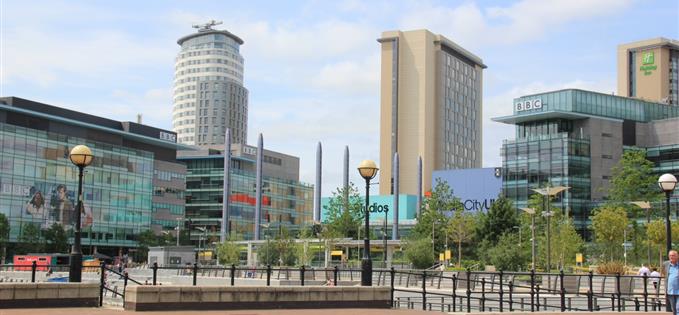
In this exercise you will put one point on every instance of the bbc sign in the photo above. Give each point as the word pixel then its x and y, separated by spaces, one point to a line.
pixel 528 105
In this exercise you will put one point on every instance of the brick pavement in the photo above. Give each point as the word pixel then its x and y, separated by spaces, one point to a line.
pixel 113 311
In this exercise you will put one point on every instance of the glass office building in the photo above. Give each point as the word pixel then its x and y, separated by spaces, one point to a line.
pixel 286 202
pixel 38 182
pixel 574 138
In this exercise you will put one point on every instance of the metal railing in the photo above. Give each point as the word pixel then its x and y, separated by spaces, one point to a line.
pixel 462 291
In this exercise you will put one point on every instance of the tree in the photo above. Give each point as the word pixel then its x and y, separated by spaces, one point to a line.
pixel 633 179
pixel 609 223
pixel 145 240
pixel 506 256
pixel 419 252
pixel 343 219
pixel 657 236
pixel 461 229
pixel 4 237
pixel 500 219
pixel 56 240
pixel 565 241
pixel 304 255
pixel 433 220
pixel 228 252
pixel 29 239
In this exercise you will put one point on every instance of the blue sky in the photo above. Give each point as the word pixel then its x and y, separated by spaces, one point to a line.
pixel 312 67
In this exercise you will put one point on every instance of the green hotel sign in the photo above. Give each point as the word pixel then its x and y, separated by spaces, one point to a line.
pixel 648 63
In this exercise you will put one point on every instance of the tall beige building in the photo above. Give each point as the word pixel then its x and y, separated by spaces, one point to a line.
pixel 649 69
pixel 430 107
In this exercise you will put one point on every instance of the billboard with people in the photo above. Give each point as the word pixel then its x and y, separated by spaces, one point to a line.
pixel 55 203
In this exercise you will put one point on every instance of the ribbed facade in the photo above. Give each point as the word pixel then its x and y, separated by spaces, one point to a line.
pixel 208 89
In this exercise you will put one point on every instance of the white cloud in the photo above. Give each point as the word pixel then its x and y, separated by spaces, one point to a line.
pixel 524 21
pixel 44 58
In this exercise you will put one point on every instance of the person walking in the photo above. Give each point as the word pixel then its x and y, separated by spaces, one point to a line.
pixel 671 269
pixel 644 271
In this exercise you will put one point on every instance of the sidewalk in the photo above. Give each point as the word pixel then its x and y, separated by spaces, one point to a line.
pixel 111 311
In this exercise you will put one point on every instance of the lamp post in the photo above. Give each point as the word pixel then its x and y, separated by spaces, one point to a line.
pixel 81 156
pixel 177 228
pixel 368 169
pixel 386 211
pixel 646 206
pixel 548 192
pixel 531 211
pixel 667 182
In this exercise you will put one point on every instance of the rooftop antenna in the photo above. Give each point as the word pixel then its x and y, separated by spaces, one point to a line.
pixel 207 26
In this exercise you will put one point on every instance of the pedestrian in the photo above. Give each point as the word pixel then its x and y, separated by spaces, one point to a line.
pixel 655 275
pixel 643 271
pixel 671 269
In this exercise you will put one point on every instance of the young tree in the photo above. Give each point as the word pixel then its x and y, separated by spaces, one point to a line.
pixel 343 219
pixel 4 237
pixel 228 252
pixel 304 254
pixel 29 239
pixel 633 179
pixel 657 236
pixel 565 241
pixel 609 223
pixel 461 230
pixel 56 240
pixel 434 221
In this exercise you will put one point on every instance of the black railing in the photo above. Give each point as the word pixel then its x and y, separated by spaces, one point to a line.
pixel 463 291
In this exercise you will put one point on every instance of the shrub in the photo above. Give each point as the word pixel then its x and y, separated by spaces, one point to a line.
pixel 611 268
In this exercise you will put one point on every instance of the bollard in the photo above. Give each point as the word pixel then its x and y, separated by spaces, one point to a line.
pixel 537 294
pixel 102 283
pixel 268 275
pixel 532 290
pixel 511 291
pixel 645 293
pixel 454 289
pixel 301 275
pixel 482 302
pixel 155 273
pixel 562 291
pixel 34 267
pixel 195 273
pixel 335 272
pixel 424 290
pixel 392 273
pixel 618 292
pixel 590 293
pixel 501 294
pixel 469 291
pixel 233 274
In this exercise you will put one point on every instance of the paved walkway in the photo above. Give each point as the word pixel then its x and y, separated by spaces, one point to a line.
pixel 111 311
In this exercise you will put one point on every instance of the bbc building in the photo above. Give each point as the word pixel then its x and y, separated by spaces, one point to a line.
pixel 574 138
pixel 134 183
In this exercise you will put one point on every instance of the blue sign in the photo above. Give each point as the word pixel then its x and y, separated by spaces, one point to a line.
pixel 477 188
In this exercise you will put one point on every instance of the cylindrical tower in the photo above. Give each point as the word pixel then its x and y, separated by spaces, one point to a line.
pixel 208 88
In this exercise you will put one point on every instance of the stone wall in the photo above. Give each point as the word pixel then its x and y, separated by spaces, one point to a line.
pixel 152 298
pixel 43 295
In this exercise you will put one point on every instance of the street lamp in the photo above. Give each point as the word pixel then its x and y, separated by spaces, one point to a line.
pixel 368 169
pixel 81 156
pixel 531 211
pixel 646 206
pixel 548 192
pixel 667 182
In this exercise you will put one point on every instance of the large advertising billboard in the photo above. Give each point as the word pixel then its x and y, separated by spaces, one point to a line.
pixel 477 188
pixel 48 203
